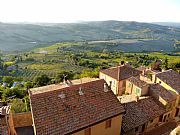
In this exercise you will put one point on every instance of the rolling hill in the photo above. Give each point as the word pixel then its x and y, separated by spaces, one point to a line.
pixel 136 36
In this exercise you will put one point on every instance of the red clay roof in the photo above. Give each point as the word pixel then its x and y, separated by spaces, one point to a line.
pixel 171 78
pixel 65 111
pixel 3 130
pixel 165 129
pixel 136 81
pixel 125 72
pixel 138 113
pixel 156 90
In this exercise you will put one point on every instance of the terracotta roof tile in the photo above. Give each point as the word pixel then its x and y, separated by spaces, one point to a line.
pixel 164 129
pixel 156 90
pixel 136 81
pixel 3 125
pixel 60 85
pixel 64 110
pixel 171 78
pixel 125 72
pixel 138 113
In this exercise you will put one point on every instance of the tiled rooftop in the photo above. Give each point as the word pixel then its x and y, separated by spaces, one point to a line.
pixel 140 112
pixel 125 72
pixel 3 130
pixel 60 85
pixel 136 81
pixel 164 129
pixel 66 110
pixel 171 78
pixel 130 98
pixel 4 110
pixel 156 90
pixel 3 125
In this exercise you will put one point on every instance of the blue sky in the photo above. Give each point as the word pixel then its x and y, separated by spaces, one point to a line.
pixel 60 11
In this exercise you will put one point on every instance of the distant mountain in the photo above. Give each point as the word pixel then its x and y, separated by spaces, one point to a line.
pixel 171 24
pixel 25 36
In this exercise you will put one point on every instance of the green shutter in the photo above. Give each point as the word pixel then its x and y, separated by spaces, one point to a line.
pixel 129 85
pixel 137 91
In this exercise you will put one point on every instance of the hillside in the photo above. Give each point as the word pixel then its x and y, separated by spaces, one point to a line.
pixel 171 24
pixel 137 36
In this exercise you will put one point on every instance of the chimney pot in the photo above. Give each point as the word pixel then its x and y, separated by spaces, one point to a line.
pixel 137 98
pixel 80 91
pixel 62 95
pixel 105 88
pixel 122 63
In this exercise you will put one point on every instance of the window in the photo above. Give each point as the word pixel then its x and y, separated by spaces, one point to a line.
pixel 151 121
pixel 137 91
pixel 130 84
pixel 164 118
pixel 108 123
pixel 87 131
pixel 136 129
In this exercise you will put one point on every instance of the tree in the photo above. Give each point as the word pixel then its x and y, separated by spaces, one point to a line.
pixel 26 101
pixel 15 92
pixel 8 79
pixel 164 65
pixel 28 85
pixel 17 106
pixel 42 80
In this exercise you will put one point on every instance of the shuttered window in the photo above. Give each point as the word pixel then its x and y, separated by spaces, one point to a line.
pixel 108 123
pixel 87 131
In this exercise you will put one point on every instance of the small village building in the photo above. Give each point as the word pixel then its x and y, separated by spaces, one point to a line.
pixel 166 98
pixel 116 77
pixel 136 86
pixel 170 80
pixel 141 115
pixel 88 108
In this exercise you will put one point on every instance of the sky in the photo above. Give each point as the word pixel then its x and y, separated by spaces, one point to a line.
pixel 67 11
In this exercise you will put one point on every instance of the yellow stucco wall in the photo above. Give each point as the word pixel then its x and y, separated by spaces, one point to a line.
pixel 108 79
pixel 132 89
pixel 169 88
pixel 100 129
pixel 164 85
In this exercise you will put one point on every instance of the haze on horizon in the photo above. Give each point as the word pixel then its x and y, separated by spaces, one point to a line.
pixel 67 11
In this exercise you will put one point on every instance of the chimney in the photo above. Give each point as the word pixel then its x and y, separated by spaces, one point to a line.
pixel 136 98
pixel 118 73
pixel 120 99
pixel 143 72
pixel 106 89
pixel 80 91
pixel 122 63
pixel 67 83
pixel 110 84
pixel 62 95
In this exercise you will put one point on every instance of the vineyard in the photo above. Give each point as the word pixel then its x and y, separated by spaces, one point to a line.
pixel 31 74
